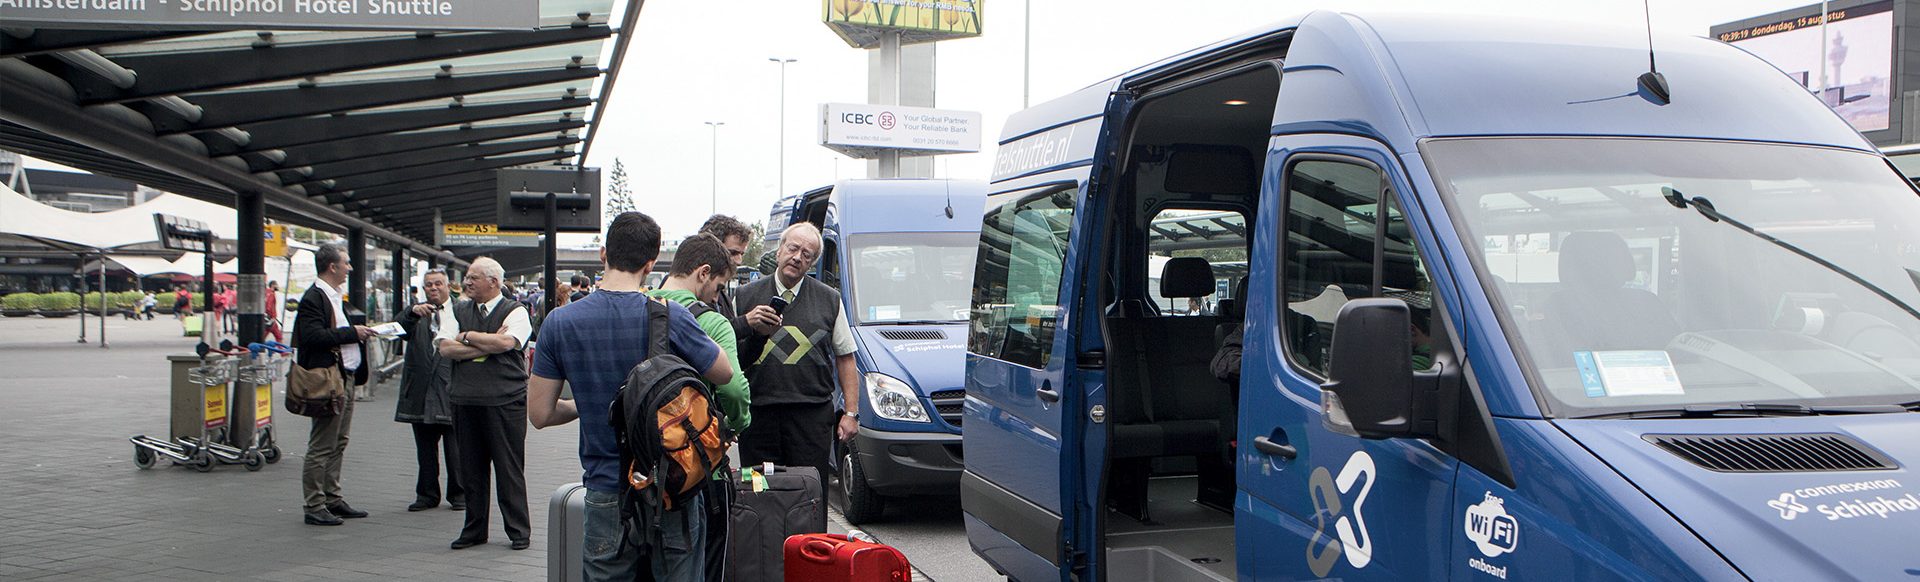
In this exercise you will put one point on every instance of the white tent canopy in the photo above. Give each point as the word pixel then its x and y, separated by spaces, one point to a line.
pixel 24 218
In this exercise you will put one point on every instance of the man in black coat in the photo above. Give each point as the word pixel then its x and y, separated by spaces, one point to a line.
pixel 321 330
pixel 423 399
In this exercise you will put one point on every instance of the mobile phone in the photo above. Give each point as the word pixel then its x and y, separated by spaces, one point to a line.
pixel 779 304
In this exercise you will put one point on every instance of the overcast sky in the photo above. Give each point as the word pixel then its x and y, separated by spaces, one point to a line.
pixel 693 61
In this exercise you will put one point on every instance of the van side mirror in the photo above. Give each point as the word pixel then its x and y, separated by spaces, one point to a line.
pixel 1369 390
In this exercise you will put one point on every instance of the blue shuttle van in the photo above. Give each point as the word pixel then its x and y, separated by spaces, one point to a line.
pixel 901 254
pixel 1503 310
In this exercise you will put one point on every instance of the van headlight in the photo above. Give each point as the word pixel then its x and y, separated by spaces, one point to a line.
pixel 893 399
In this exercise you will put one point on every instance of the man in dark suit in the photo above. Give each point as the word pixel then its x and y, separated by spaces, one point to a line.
pixel 423 398
pixel 320 327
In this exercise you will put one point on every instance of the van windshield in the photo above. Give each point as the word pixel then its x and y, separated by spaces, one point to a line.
pixel 911 277
pixel 1642 274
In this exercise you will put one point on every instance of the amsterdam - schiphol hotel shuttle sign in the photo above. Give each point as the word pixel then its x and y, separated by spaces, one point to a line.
pixel 281 14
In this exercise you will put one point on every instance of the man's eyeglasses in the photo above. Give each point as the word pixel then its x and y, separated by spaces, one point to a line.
pixel 805 253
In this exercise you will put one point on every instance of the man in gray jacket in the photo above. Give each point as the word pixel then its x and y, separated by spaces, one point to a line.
pixel 423 398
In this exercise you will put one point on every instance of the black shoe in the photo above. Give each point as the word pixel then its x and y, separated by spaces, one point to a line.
pixel 322 517
pixel 458 506
pixel 464 543
pixel 521 544
pixel 344 511
pixel 423 505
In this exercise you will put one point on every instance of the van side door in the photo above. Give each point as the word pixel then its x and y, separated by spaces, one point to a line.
pixel 1012 487
pixel 1315 503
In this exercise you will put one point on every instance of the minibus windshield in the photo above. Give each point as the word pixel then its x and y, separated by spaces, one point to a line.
pixel 911 277
pixel 1644 274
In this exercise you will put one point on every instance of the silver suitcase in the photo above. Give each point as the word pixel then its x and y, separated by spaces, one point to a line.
pixel 566 533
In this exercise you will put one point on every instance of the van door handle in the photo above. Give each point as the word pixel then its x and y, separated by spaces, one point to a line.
pixel 1046 393
pixel 1267 447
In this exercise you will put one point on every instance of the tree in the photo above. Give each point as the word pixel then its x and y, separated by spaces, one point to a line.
pixel 756 245
pixel 619 198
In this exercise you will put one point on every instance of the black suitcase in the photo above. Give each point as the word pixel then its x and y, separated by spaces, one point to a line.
pixel 761 522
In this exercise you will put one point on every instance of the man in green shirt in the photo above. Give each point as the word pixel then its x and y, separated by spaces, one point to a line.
pixel 700 269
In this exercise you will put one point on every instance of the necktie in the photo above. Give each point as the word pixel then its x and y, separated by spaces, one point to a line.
pixel 483 311
pixel 787 296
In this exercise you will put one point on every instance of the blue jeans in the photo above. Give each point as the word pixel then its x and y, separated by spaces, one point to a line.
pixel 684 534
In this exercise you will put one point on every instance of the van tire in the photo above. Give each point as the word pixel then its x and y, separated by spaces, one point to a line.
pixel 859 502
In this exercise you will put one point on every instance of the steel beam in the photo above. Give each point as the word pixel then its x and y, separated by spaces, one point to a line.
pixel 415 214
pixel 58 116
pixel 313 130
pixel 240 108
pixel 386 144
pixel 349 168
pixel 49 40
pixel 380 194
pixel 175 73
pixel 440 171
pixel 627 21
pixel 357 277
pixel 426 199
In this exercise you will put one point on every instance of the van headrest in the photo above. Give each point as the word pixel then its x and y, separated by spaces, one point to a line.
pixel 1211 169
pixel 1186 277
pixel 1235 307
pixel 1597 260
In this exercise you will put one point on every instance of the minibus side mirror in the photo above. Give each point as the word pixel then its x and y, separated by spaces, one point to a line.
pixel 1369 390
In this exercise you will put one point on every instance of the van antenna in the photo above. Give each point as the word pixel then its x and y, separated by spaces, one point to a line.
pixel 949 198
pixel 1652 81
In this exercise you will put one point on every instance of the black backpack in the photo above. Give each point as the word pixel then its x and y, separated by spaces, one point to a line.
pixel 670 433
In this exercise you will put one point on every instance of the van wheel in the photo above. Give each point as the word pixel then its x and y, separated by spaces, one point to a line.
pixel 859 502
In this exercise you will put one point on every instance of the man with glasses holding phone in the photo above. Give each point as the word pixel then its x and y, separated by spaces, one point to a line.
pixel 796 343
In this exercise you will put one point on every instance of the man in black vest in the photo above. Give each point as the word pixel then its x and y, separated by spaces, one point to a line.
pixel 792 358
pixel 423 399
pixel 735 236
pixel 485 337
pixel 320 332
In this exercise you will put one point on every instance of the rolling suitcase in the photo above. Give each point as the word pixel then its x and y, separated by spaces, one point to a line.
pixel 834 557
pixel 788 504
pixel 566 533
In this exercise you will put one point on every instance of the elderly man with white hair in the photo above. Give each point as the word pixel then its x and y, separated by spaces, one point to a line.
pixel 485 336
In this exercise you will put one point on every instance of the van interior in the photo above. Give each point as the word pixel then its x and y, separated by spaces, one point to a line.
pixel 1174 270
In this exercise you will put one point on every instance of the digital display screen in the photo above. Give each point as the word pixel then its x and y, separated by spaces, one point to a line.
pixel 1858 58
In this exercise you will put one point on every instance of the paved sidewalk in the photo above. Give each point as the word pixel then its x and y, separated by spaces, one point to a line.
pixel 74 507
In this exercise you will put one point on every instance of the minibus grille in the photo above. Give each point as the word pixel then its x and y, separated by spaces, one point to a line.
pixel 913 334
pixel 948 404
pixel 1772 453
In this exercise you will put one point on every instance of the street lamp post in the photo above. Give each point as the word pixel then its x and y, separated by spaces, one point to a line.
pixel 714 173
pixel 783 121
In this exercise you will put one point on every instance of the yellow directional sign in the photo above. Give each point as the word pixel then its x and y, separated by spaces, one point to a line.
pixel 456 234
pixel 276 239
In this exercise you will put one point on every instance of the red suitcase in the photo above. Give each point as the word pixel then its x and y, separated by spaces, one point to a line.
pixel 833 557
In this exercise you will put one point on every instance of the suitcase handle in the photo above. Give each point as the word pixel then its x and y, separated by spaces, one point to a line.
pixel 818 550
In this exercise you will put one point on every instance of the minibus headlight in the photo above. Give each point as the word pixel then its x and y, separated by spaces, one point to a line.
pixel 893 399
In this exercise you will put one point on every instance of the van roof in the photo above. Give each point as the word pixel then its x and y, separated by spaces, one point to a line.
pixel 1402 77
pixel 908 205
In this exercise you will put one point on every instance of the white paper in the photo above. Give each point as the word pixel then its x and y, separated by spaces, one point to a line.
pixel 389 330
pixel 883 312
pixel 1637 373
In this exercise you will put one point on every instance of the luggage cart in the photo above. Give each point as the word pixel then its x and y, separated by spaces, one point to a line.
pixel 268 364
pixel 207 448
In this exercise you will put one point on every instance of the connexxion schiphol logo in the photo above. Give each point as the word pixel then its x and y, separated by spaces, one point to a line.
pixel 1349 535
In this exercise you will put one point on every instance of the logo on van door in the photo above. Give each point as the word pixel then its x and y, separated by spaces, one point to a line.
pixel 1349 536
pixel 1490 528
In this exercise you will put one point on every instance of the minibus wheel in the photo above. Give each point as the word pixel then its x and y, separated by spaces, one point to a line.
pixel 859 502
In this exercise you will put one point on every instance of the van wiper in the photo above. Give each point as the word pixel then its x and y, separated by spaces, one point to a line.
pixel 921 322
pixel 1752 410
pixel 1706 209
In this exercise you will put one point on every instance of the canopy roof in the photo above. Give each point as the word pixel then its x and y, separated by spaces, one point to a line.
pixel 336 128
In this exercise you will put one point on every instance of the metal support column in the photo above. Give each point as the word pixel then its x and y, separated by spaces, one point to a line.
pixel 357 279
pixel 251 216
pixel 889 95
pixel 400 296
pixel 549 279
pixel 81 275
pixel 103 300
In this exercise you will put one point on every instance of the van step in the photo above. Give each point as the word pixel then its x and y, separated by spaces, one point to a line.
pixel 1772 453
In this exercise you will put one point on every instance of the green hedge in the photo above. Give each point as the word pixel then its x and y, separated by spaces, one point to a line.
pixel 61 301
pixel 20 301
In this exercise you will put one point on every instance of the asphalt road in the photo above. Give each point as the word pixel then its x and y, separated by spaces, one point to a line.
pixel 933 537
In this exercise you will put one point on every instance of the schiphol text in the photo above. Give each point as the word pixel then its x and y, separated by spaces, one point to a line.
pixel 379 7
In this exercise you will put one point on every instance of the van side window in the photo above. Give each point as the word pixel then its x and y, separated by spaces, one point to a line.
pixel 1016 284
pixel 1341 246
pixel 1218 237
